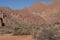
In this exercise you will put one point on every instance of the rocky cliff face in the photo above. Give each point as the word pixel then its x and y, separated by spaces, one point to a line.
pixel 38 13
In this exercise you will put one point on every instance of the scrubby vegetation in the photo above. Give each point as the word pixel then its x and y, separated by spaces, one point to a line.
pixel 39 32
pixel 21 31
pixel 6 29
pixel 48 32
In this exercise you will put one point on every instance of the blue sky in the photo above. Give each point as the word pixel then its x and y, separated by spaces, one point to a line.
pixel 19 4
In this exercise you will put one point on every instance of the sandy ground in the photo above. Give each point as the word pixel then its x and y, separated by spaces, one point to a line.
pixel 8 37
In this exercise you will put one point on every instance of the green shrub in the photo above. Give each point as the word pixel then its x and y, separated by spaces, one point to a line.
pixel 6 29
pixel 22 30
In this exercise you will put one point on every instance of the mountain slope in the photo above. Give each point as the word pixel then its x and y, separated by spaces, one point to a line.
pixel 38 13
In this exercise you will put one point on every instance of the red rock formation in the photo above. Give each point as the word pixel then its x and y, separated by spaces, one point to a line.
pixel 38 13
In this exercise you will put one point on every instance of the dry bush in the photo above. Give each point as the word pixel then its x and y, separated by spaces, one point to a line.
pixel 47 32
pixel 22 30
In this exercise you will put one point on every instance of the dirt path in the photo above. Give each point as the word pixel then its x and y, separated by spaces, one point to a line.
pixel 6 37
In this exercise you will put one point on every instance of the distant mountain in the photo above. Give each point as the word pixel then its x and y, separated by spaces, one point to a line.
pixel 38 13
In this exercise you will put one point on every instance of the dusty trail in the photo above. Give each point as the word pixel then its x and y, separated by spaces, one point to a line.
pixel 6 37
